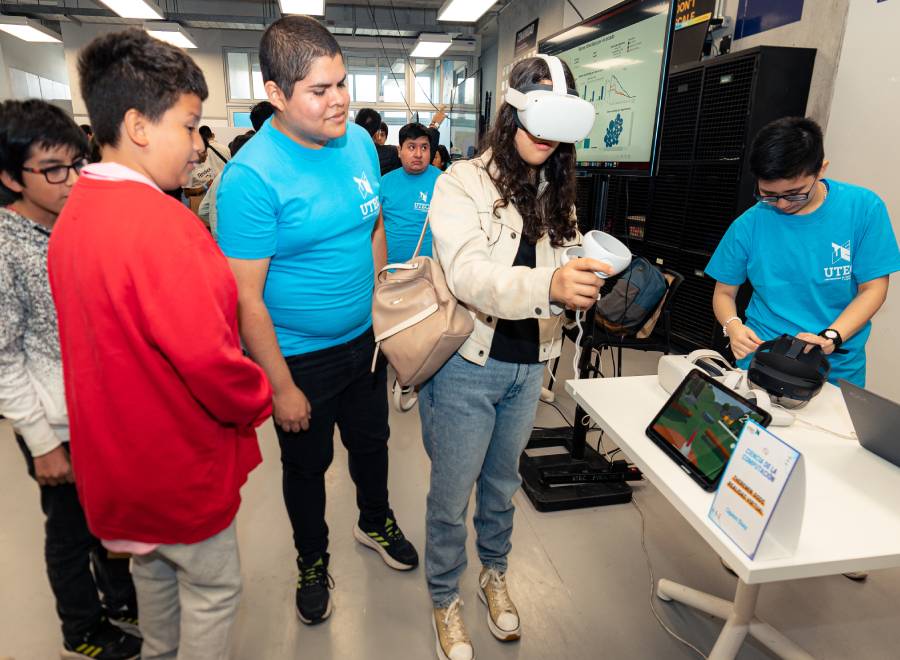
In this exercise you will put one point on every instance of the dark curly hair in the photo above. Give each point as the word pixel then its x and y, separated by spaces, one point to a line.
pixel 551 213
pixel 130 69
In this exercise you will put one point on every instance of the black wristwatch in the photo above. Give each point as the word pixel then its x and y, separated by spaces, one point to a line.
pixel 834 336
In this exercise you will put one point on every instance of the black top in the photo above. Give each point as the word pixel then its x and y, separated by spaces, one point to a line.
pixel 518 341
pixel 388 158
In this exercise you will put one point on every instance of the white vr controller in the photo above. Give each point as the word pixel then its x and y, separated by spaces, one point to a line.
pixel 673 369
pixel 602 247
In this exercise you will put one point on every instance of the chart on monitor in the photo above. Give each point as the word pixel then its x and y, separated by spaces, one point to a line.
pixel 618 59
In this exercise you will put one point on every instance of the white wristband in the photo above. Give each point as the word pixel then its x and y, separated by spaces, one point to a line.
pixel 727 321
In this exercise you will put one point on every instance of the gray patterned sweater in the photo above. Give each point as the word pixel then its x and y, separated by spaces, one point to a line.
pixel 31 380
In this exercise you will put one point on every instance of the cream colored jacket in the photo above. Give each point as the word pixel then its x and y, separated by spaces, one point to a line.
pixel 476 250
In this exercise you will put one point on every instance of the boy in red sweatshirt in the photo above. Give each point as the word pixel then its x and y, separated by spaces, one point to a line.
pixel 162 402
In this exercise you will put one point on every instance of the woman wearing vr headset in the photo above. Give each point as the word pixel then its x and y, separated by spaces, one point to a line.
pixel 500 223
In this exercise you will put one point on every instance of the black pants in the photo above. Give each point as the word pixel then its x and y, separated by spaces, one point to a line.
pixel 71 551
pixel 341 390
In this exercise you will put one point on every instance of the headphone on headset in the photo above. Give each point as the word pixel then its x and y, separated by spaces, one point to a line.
pixel 790 370
pixel 552 112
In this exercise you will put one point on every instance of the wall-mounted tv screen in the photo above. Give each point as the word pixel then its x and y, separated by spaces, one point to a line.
pixel 619 58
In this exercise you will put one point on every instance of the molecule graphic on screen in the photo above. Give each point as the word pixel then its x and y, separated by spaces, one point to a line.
pixel 611 138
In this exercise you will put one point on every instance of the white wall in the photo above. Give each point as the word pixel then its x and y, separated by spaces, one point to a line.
pixel 5 91
pixel 46 60
pixel 863 145
pixel 208 56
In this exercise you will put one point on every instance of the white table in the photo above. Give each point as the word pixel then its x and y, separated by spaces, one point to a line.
pixel 851 518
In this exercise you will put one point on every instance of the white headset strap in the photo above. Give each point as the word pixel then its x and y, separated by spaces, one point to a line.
pixel 557 74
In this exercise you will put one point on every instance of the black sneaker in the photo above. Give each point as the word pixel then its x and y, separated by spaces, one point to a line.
pixel 313 599
pixel 105 642
pixel 389 542
pixel 125 617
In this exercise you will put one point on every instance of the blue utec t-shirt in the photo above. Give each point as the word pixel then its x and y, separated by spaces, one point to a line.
pixel 405 200
pixel 312 212
pixel 805 269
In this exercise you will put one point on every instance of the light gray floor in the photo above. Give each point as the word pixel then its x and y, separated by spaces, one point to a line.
pixel 579 577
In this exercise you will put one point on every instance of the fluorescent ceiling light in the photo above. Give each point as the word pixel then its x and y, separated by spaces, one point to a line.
pixel 28 30
pixel 431 45
pixel 171 33
pixel 464 11
pixel 146 9
pixel 308 7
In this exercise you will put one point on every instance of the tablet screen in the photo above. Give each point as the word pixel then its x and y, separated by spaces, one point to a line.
pixel 701 424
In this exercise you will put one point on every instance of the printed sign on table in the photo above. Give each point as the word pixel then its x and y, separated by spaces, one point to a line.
pixel 754 480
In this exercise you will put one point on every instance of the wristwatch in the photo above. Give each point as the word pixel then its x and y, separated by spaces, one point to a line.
pixel 833 335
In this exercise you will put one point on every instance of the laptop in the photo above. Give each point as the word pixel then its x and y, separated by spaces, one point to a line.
pixel 876 420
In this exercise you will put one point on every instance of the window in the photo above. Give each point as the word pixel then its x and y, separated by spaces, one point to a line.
pixel 392 80
pixel 362 79
pixel 427 81
pixel 245 81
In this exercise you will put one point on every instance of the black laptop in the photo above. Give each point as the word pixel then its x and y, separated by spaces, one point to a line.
pixel 875 419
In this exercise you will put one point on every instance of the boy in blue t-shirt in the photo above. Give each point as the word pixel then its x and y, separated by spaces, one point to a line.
pixel 406 195
pixel 819 254
pixel 300 222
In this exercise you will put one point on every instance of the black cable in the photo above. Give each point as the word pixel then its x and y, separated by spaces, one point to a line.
pixel 387 59
pixel 559 410
pixel 572 4
pixel 408 60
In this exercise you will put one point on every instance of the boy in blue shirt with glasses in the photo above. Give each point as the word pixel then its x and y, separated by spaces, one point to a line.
pixel 818 252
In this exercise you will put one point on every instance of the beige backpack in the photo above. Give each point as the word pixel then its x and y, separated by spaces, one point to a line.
pixel 418 323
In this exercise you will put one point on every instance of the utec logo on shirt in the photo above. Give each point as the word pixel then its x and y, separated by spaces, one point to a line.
pixel 422 204
pixel 840 252
pixel 370 206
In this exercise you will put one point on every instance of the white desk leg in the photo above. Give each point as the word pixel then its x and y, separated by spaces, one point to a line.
pixel 739 620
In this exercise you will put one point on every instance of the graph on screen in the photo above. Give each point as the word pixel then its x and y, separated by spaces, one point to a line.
pixel 618 59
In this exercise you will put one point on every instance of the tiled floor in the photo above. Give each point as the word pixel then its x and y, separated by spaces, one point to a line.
pixel 579 577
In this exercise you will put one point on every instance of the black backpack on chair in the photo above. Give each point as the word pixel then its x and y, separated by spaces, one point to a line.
pixel 631 298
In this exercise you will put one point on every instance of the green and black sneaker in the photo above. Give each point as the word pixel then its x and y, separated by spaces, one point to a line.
pixel 105 642
pixel 313 599
pixel 389 542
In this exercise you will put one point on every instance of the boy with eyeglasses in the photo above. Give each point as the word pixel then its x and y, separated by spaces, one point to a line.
pixel 42 152
pixel 818 252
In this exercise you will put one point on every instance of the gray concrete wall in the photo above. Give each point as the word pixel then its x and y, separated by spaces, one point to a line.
pixel 821 27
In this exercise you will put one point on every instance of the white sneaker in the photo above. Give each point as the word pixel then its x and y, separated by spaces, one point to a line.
pixel 451 640
pixel 502 616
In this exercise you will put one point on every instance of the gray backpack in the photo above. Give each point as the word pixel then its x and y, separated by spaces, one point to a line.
pixel 632 299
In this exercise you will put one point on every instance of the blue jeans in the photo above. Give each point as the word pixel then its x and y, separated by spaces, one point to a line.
pixel 476 422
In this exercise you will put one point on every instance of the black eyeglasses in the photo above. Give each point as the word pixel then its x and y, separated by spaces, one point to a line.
pixel 58 173
pixel 793 198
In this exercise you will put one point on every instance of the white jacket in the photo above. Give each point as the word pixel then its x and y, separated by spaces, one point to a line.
pixel 476 250
pixel 31 381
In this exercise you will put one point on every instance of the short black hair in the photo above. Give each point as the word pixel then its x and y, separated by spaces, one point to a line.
pixel 787 148
pixel 369 119
pixel 259 113
pixel 288 48
pixel 87 129
pixel 383 128
pixel 414 131
pixel 235 145
pixel 445 156
pixel 205 132
pixel 130 69
pixel 25 125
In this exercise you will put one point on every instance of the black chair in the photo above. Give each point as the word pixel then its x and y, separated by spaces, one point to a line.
pixel 659 339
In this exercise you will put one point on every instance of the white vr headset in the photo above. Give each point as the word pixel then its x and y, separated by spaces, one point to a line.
pixel 674 368
pixel 552 112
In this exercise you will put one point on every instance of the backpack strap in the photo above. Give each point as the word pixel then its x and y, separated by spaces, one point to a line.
pixel 421 238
